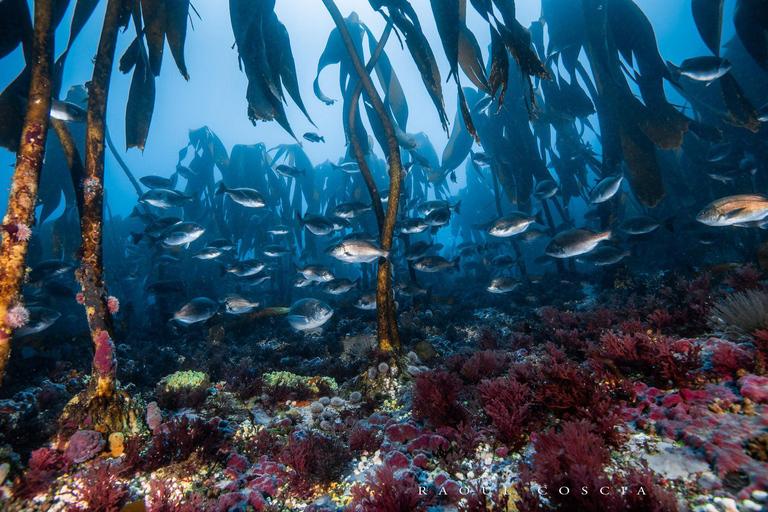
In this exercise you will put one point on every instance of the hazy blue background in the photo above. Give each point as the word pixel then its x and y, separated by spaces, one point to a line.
pixel 215 93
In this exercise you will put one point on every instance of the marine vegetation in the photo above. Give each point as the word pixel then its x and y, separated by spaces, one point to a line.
pixel 515 260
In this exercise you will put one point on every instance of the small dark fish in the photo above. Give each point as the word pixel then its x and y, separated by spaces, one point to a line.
pixel 502 285
pixel 276 251
pixel 49 269
pixel 482 159
pixel 366 302
pixel 237 305
pixel 339 286
pixel 575 242
pixel 603 256
pixel 183 233
pixel 309 314
pixel 358 251
pixel 221 243
pixel 68 112
pixel 316 273
pixel 605 189
pixel 719 152
pixel 164 198
pixel 196 310
pixel 186 172
pixel 351 210
pixel 315 224
pixel 208 253
pixel 514 224
pixel 246 268
pixel 39 320
pixel 413 225
pixel 545 189
pixel 348 167
pixel 430 206
pixel 165 287
pixel 289 171
pixel 702 69
pixel 247 197
pixel 436 264
pixel 417 249
pixel 503 261
pixel 438 218
pixel 279 230
pixel 313 137
pixel 153 181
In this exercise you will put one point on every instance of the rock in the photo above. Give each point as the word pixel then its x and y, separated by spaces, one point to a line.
pixel 673 462
pixel 755 388
pixel 729 504
pixel 760 496
pixel 84 445
pixel 355 397
pixel 751 505
pixel 4 469
pixel 116 444
pixel 425 351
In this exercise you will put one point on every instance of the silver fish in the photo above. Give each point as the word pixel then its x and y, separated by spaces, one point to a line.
pixel 605 189
pixel 733 210
pixel 69 112
pixel 309 314
pixel 701 69
pixel 164 198
pixel 237 305
pixel 247 197
pixel 351 210
pixel 358 251
pixel 196 310
pixel 502 285
pixel 289 171
pixel 513 224
pixel 436 264
pixel 603 256
pixel 339 286
pixel 315 224
pixel 575 242
pixel 39 320
pixel 316 273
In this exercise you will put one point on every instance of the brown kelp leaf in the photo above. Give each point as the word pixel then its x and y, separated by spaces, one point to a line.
pixel 751 20
pixel 665 127
pixel 465 112
pixel 498 79
pixel 277 36
pixel 448 19
pixel 130 56
pixel 422 55
pixel 333 53
pixel 708 15
pixel 12 101
pixel 176 13
pixel 742 112
pixel 644 173
pixel 83 11
pixel 458 147
pixel 471 59
pixel 141 104
pixel 15 27
pixel 518 41
pixel 393 91
pixel 153 13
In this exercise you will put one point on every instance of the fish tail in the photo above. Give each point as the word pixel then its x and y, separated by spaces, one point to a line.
pixel 221 188
pixel 457 207
pixel 539 217
pixel 455 263
pixel 298 216
pixel 136 237
pixel 670 224
pixel 322 138
pixel 674 72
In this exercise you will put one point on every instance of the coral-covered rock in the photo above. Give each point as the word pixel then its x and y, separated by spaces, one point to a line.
pixel 237 462
pixel 755 388
pixel 402 433
pixel 84 445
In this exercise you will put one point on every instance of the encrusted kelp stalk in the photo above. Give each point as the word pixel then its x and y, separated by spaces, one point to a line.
pixel 74 161
pixel 388 337
pixel 20 215
pixel 100 402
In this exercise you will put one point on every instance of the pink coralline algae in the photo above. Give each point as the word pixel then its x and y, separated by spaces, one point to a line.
pixel 17 317
pixel 84 445
pixel 104 358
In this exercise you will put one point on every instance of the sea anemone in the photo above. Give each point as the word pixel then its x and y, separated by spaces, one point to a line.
pixel 113 304
pixel 80 298
pixel 18 316
pixel 744 311
pixel 23 232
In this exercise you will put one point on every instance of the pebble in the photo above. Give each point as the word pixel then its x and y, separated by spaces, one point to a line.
pixel 4 469
pixel 729 504
pixel 751 505
pixel 324 400
pixel 316 407
pixel 760 496
pixel 337 402
pixel 355 397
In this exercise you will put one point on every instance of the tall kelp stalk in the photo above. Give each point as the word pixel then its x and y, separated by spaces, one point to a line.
pixel 388 336
pixel 20 215
pixel 101 401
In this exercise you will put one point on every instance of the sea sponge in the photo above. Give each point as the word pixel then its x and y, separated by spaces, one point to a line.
pixel 84 445
pixel 184 380
pixel 292 380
